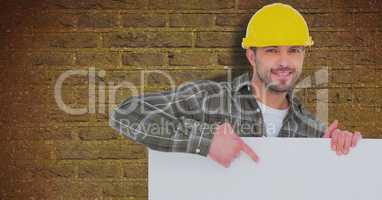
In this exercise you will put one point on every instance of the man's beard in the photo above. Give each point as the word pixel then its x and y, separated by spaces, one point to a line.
pixel 273 86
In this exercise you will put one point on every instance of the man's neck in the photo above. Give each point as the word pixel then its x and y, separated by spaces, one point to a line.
pixel 275 100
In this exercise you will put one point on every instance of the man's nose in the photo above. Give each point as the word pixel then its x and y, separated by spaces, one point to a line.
pixel 284 59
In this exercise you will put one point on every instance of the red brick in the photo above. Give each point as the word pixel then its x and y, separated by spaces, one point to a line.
pixel 77 150
pixel 40 114
pixel 99 169
pixel 335 96
pixel 192 4
pixel 378 42
pixel 97 133
pixel 362 115
pixel 5 59
pixel 67 40
pixel 144 58
pixel 16 21
pixel 364 38
pixel 98 20
pixel 120 95
pixel 378 97
pixel 219 39
pixel 19 41
pixel 72 95
pixel 333 20
pixel 368 131
pixel 366 56
pixel 33 169
pixel 341 112
pixel 24 189
pixel 148 39
pixel 118 150
pixel 378 75
pixel 136 169
pixel 363 75
pixel 4 42
pixel 71 4
pixel 75 189
pixel 328 57
pixel 365 96
pixel 179 77
pixel 342 95
pixel 252 4
pixel 316 57
pixel 191 58
pixel 191 20
pixel 55 22
pixel 29 150
pixel 334 39
pixel 378 110
pixel 115 78
pixel 125 5
pixel 233 20
pixel 232 58
pixel 132 188
pixel 18 5
pixel 368 4
pixel 372 21
pixel 98 59
pixel 43 133
pixel 340 58
pixel 143 20
pixel 340 77
pixel 377 55
pixel 50 58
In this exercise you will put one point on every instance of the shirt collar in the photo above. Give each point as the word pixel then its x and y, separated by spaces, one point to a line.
pixel 243 82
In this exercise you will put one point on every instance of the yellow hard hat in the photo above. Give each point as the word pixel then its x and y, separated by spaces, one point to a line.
pixel 277 24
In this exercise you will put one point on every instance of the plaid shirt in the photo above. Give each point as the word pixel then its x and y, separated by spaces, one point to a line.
pixel 185 120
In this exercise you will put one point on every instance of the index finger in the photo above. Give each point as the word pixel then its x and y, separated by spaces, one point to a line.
pixel 248 150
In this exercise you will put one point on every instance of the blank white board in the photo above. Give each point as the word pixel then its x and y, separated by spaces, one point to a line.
pixel 290 168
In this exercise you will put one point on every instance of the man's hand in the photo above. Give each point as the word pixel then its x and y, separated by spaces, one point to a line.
pixel 226 146
pixel 341 141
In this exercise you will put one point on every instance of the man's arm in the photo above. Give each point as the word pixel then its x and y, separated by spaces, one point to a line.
pixel 163 121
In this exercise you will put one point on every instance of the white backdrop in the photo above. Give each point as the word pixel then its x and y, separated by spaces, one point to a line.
pixel 289 168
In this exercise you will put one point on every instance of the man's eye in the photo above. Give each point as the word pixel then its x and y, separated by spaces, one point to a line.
pixel 271 50
pixel 295 50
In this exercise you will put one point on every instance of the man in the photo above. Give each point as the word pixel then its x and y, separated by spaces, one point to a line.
pixel 208 118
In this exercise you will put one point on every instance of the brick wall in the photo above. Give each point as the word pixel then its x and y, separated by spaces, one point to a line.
pixel 49 154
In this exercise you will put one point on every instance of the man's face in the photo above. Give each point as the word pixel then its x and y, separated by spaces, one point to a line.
pixel 278 67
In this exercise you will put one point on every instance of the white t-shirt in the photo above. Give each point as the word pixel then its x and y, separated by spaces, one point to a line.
pixel 273 119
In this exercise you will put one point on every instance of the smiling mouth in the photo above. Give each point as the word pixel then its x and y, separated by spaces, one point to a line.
pixel 282 73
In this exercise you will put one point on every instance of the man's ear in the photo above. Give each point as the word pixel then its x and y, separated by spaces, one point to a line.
pixel 251 57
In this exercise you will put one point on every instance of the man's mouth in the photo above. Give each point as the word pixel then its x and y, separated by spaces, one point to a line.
pixel 282 73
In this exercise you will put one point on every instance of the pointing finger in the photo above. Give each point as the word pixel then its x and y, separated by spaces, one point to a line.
pixel 247 149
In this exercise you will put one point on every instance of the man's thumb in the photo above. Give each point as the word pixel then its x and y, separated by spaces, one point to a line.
pixel 330 129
